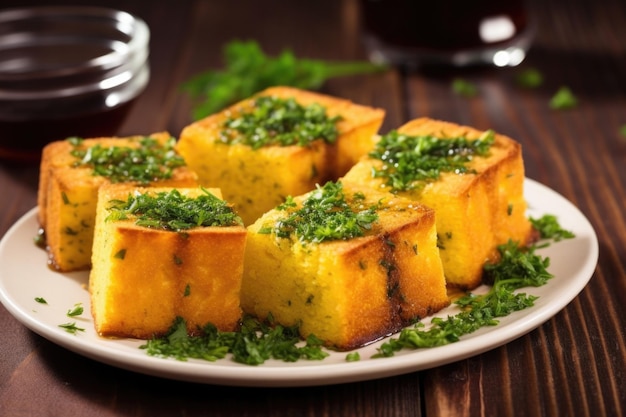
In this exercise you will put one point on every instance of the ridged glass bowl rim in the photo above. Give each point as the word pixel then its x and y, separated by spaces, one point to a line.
pixel 135 28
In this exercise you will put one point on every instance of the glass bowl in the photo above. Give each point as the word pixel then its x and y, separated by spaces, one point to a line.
pixel 67 71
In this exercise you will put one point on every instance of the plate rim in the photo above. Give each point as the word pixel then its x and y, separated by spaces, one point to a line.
pixel 306 373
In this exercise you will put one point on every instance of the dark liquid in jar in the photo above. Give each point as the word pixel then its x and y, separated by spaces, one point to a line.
pixel 440 25
pixel 24 139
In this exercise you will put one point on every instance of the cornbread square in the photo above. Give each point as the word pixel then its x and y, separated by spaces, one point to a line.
pixel 347 292
pixel 143 278
pixel 476 210
pixel 257 180
pixel 67 198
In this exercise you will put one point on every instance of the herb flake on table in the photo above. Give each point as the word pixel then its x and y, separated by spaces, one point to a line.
pixel 464 87
pixel 563 99
pixel 249 70
pixel 529 78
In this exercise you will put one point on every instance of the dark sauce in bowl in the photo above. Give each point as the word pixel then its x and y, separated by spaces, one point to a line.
pixel 67 71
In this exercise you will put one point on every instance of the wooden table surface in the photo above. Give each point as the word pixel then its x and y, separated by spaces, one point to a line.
pixel 573 365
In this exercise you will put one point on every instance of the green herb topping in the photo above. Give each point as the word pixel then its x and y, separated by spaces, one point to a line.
pixel 253 344
pixel 174 211
pixel 151 161
pixel 71 328
pixel 464 88
pixel 249 70
pixel 564 98
pixel 519 267
pixel 549 228
pixel 412 161
pixel 622 131
pixel 77 310
pixel 41 300
pixel 529 78
pixel 325 215
pixel 280 122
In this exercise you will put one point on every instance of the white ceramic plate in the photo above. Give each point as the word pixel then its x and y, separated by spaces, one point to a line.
pixel 25 276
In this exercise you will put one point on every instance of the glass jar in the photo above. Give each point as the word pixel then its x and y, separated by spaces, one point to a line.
pixel 446 33
pixel 67 71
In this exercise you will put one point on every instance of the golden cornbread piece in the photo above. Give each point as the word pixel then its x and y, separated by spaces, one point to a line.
pixel 347 292
pixel 476 210
pixel 143 278
pixel 67 197
pixel 257 180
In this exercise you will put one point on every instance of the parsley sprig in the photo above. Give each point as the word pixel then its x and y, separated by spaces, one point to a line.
pixel 564 98
pixel 150 161
pixel 549 228
pixel 249 70
pixel 326 214
pixel 519 267
pixel 71 328
pixel 77 310
pixel 171 210
pixel 255 343
pixel 412 161
pixel 280 122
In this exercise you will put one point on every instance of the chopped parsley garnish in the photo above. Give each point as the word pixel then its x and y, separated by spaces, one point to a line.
pixel 253 344
pixel 274 121
pixel 151 161
pixel 464 88
pixel 41 300
pixel 564 98
pixel 325 215
pixel 71 328
pixel 549 228
pixel 519 267
pixel 529 78
pixel 76 311
pixel 411 161
pixel 171 210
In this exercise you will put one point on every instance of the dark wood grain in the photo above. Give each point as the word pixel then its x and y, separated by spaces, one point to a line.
pixel 573 365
